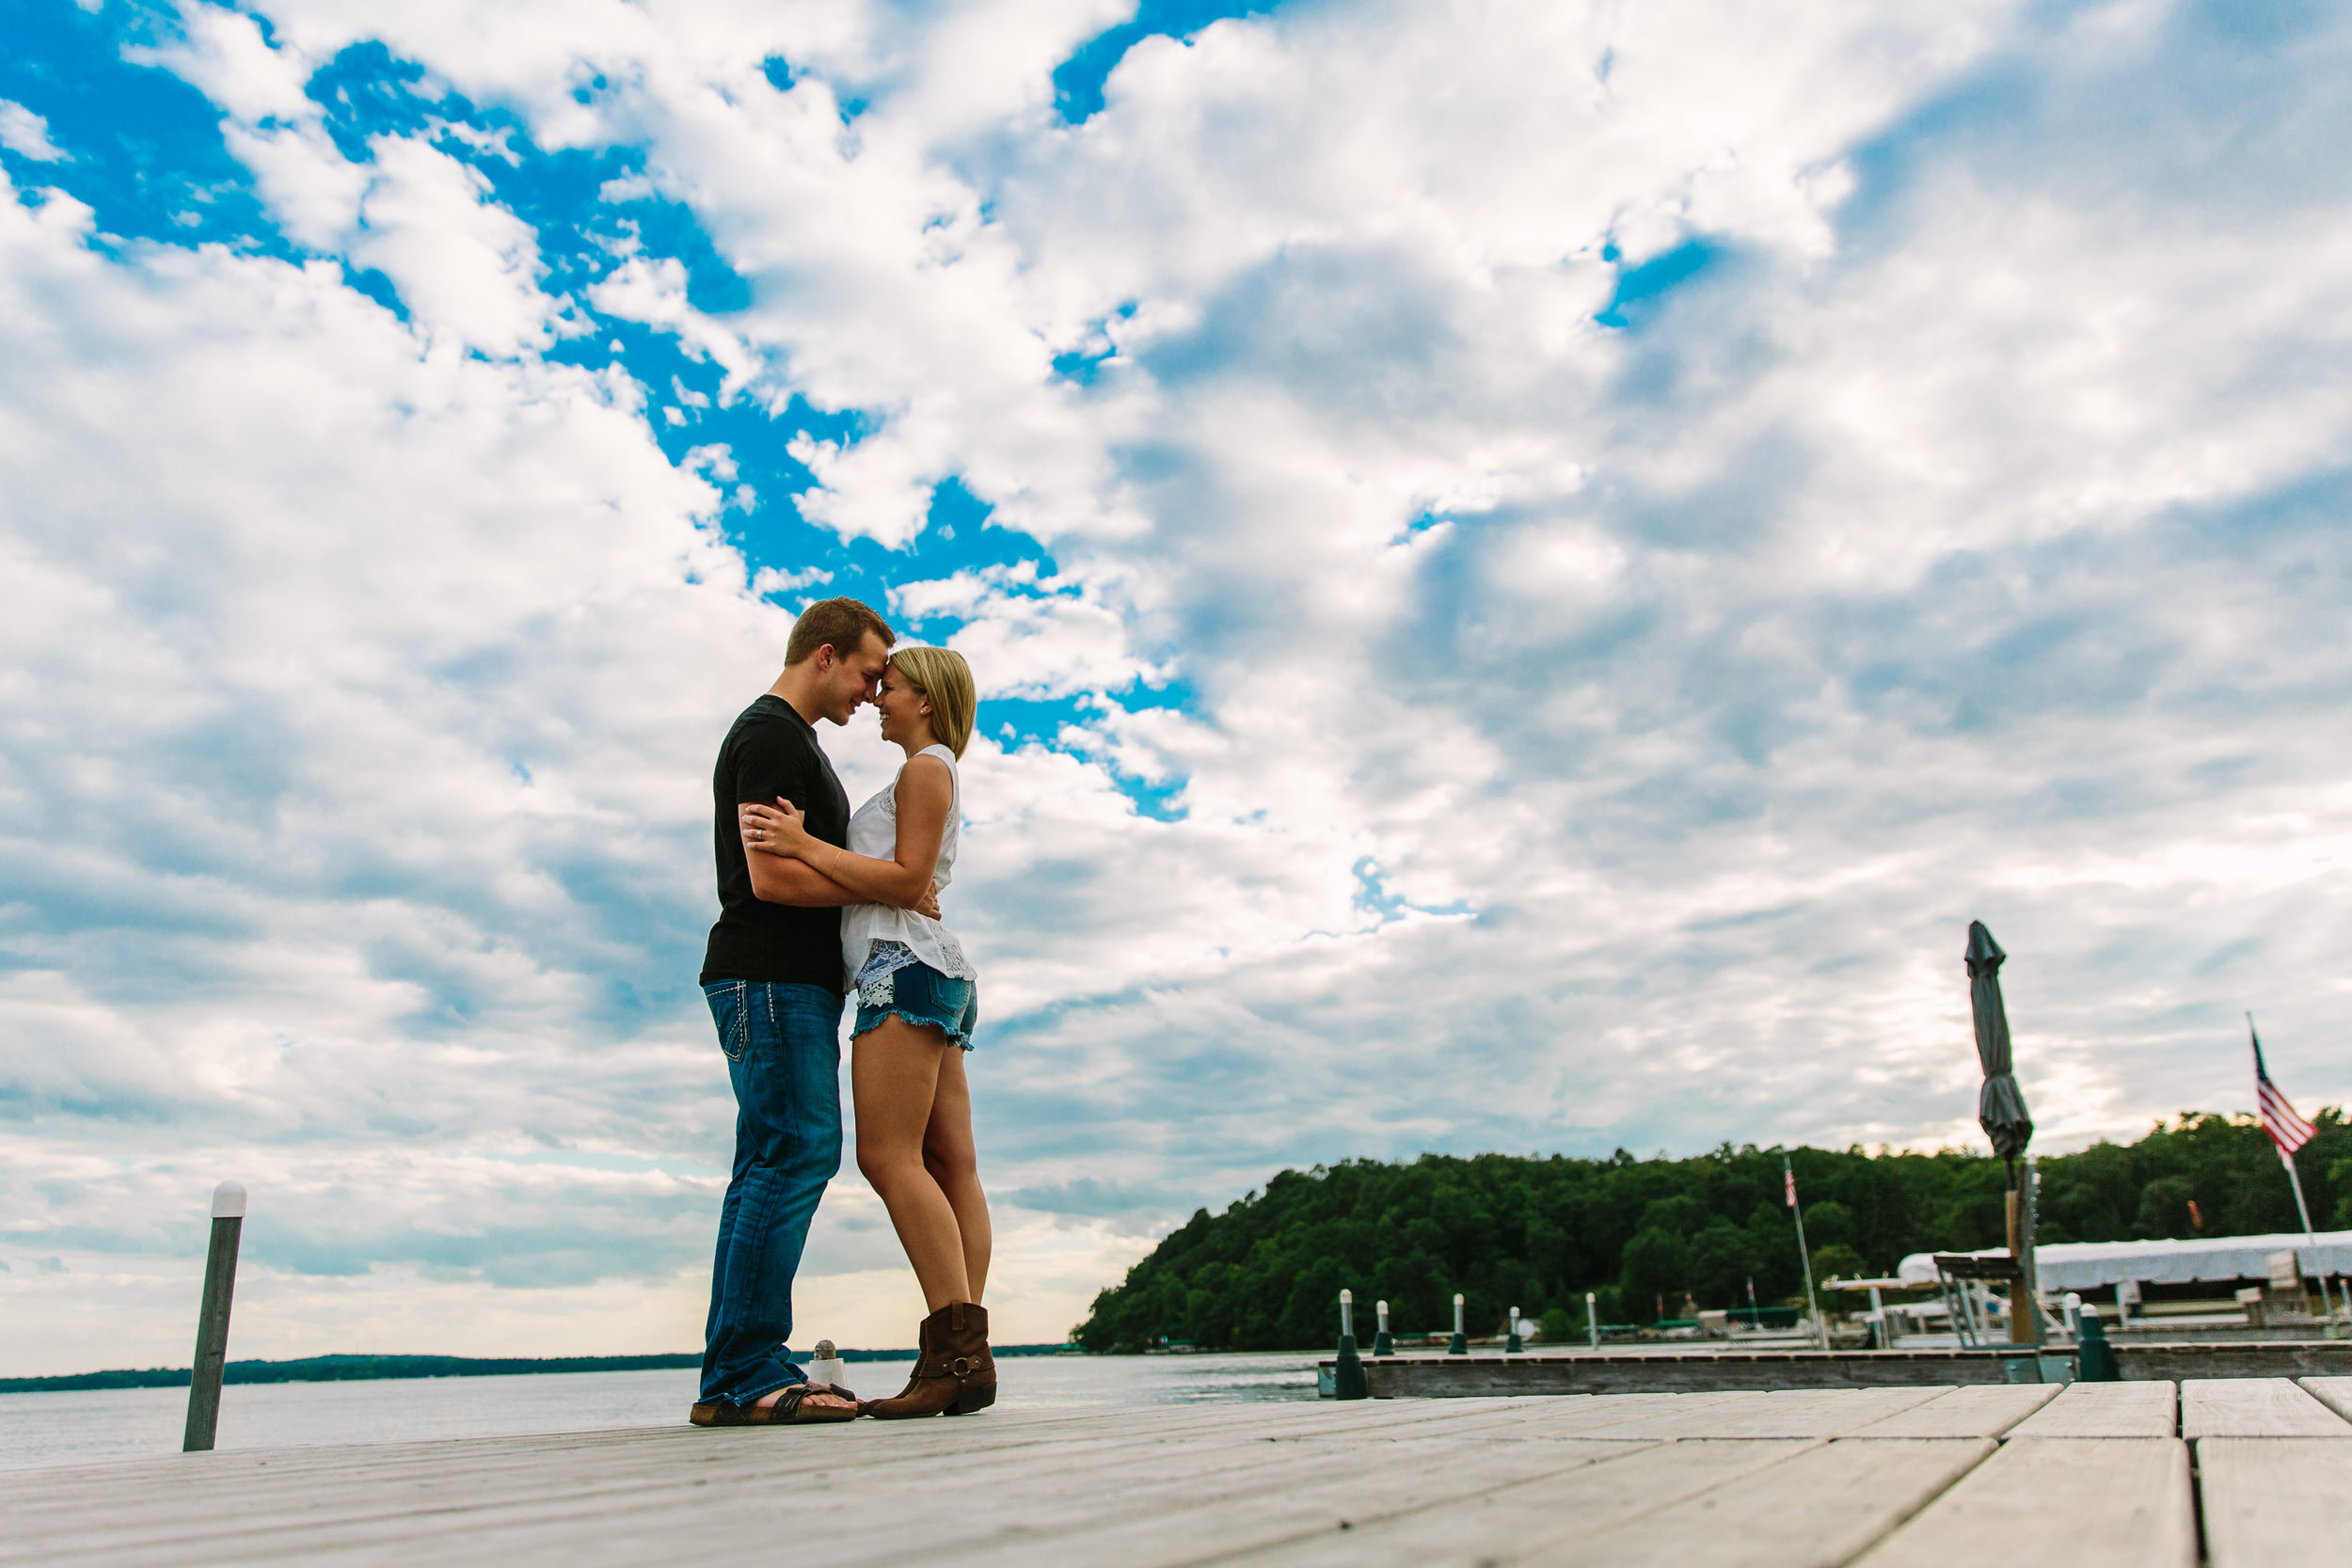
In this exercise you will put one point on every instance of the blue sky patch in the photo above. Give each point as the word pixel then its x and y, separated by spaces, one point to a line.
pixel 1636 286
pixel 145 152
pixel 591 208
pixel 1375 895
pixel 143 148
pixel 1078 80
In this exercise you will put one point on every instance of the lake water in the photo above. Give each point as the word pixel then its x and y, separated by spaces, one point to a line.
pixel 143 1423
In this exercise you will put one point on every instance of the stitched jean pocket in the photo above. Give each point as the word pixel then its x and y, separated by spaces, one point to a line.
pixel 731 1012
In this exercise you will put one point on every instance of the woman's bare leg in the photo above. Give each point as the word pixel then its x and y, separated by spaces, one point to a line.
pixel 894 1074
pixel 950 1156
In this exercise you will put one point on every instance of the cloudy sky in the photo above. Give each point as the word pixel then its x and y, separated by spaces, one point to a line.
pixel 1532 566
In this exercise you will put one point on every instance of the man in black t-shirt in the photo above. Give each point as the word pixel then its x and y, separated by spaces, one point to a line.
pixel 773 977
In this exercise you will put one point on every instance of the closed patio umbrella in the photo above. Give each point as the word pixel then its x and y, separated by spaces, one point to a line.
pixel 2000 1104
pixel 2001 1111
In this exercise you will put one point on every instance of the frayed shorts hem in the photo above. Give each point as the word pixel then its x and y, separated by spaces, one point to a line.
pixel 925 998
pixel 872 1017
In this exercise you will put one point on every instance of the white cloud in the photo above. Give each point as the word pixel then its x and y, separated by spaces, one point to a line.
pixel 223 53
pixel 465 265
pixel 653 290
pixel 26 134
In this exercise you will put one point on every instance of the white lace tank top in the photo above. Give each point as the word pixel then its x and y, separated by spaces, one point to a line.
pixel 874 832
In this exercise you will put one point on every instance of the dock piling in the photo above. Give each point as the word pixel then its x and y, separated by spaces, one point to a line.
pixel 1347 1374
pixel 1459 1344
pixel 211 1319
pixel 2094 1357
pixel 1381 1343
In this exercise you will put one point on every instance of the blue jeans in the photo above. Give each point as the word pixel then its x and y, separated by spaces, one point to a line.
pixel 784 1059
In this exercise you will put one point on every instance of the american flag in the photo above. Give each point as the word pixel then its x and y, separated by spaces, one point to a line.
pixel 2287 1129
pixel 1789 1172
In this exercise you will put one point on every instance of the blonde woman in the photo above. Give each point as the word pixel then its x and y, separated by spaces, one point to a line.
pixel 917 1000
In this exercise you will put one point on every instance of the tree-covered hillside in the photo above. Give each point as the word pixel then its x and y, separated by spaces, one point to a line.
pixel 1539 1232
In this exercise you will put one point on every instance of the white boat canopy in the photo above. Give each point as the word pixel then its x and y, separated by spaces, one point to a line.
pixel 2081 1265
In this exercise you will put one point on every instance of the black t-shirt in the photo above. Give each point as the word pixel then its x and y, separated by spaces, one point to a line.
pixel 772 751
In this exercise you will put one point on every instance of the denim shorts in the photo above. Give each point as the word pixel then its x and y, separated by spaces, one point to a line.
pixel 920 994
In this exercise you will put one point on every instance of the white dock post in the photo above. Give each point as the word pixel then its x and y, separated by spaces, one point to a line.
pixel 1591 1319
pixel 211 1319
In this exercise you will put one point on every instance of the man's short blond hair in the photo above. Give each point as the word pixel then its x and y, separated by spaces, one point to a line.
pixel 941 675
pixel 839 624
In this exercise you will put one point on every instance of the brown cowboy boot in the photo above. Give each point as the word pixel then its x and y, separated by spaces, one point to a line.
pixel 954 1373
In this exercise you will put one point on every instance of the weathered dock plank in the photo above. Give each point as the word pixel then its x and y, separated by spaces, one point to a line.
pixel 2275 1502
pixel 2058 1502
pixel 1510 1524
pixel 2256 1407
pixel 1809 1413
pixel 1984 1411
pixel 1819 1507
pixel 1666 1370
pixel 2182 1361
pixel 1781 1480
pixel 2106 1410
pixel 1682 1371
pixel 2333 1393
pixel 610 1463
pixel 1267 1505
pixel 561 1499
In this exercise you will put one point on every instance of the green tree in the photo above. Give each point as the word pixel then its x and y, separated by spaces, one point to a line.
pixel 1829 1224
pixel 2164 1208
pixel 1678 1216
pixel 1609 1306
pixel 1721 1261
pixel 1655 1266
pixel 1839 1262
pixel 1539 1232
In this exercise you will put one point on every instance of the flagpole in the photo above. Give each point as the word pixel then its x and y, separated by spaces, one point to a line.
pixel 2295 1177
pixel 1803 1256
pixel 2300 1207
pixel 2308 1234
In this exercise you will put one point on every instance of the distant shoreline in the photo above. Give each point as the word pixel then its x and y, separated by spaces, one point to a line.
pixel 356 1368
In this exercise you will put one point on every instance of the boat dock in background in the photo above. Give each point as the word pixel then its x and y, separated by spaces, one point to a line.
pixel 2135 1475
pixel 1697 1368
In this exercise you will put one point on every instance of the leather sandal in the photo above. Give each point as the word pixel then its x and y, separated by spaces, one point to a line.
pixel 954 1373
pixel 787 1411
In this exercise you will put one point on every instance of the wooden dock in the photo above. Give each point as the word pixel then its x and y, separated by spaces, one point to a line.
pixel 1700 1370
pixel 2150 1475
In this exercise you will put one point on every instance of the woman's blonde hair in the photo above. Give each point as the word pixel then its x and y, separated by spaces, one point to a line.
pixel 941 675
